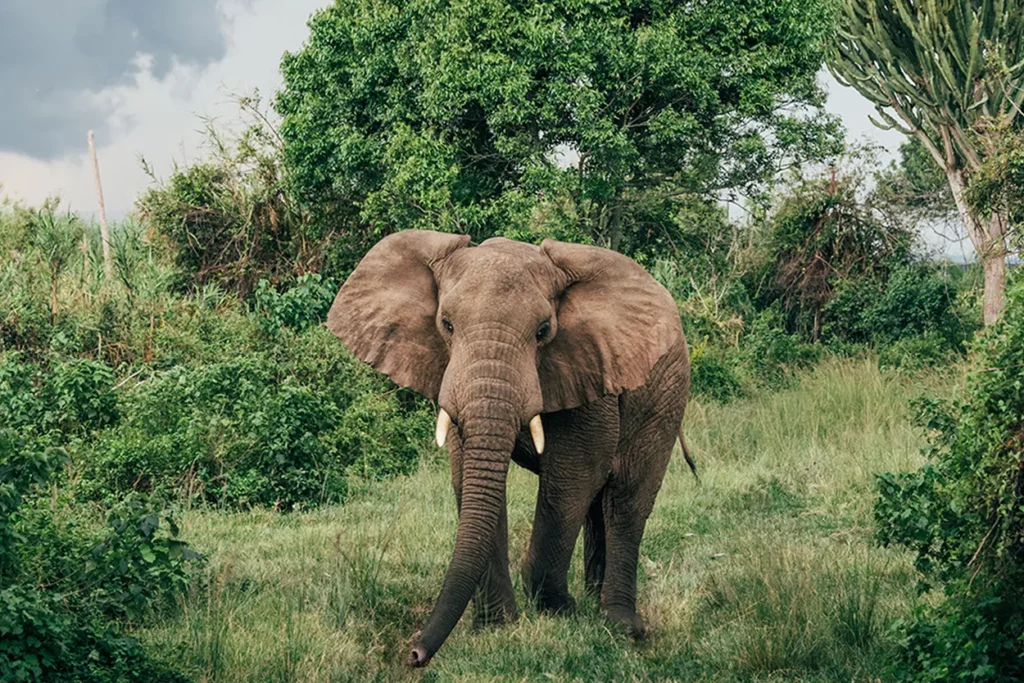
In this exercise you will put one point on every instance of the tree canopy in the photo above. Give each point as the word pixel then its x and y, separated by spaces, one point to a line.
pixel 576 118
pixel 948 72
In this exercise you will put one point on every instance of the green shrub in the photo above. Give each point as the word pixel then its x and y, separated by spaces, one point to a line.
pixel 770 353
pixel 71 584
pixel 228 218
pixel 713 374
pixel 299 307
pixel 916 300
pixel 260 430
pixel 70 396
pixel 963 516
pixel 911 354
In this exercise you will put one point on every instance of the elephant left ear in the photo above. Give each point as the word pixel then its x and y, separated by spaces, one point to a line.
pixel 614 321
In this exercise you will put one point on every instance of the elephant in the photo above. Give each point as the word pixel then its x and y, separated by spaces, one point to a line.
pixel 568 359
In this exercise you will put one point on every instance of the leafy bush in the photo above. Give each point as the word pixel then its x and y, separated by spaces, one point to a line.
pixel 911 354
pixel 260 429
pixel 822 236
pixel 713 374
pixel 71 396
pixel 69 584
pixel 227 218
pixel 915 310
pixel 770 353
pixel 300 307
pixel 963 516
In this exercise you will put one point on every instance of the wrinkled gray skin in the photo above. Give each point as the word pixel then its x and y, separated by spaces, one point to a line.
pixel 498 334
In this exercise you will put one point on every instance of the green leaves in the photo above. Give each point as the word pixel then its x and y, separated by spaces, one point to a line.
pixel 494 117
pixel 963 516
pixel 929 62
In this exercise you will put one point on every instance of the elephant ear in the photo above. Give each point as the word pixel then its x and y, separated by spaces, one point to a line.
pixel 385 312
pixel 614 323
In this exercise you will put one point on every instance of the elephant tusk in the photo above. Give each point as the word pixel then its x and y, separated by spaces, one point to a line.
pixel 444 421
pixel 537 432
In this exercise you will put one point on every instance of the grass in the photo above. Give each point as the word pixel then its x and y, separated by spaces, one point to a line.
pixel 765 571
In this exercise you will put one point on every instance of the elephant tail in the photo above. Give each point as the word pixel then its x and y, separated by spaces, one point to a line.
pixel 686 454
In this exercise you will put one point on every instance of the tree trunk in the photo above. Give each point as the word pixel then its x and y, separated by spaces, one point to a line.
pixel 615 229
pixel 988 239
pixel 995 286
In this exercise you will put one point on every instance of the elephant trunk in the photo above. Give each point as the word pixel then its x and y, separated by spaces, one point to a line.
pixel 487 427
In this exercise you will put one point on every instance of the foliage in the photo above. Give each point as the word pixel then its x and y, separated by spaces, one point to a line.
pixel 820 237
pixel 228 218
pixel 75 395
pixel 277 429
pixel 951 73
pixel 70 585
pixel 497 117
pixel 299 307
pixel 963 516
pixel 998 184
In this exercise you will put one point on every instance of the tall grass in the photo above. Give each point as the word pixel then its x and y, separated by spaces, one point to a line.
pixel 764 571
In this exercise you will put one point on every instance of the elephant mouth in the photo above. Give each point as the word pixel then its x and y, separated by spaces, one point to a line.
pixel 444 423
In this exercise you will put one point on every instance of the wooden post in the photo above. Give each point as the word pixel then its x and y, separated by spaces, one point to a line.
pixel 104 233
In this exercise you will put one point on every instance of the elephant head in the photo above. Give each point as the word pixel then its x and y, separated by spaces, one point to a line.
pixel 498 334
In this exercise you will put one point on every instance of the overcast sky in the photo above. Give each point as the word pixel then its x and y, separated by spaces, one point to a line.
pixel 142 73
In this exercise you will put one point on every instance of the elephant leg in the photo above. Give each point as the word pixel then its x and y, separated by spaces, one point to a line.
pixel 494 601
pixel 594 546
pixel 574 467
pixel 644 455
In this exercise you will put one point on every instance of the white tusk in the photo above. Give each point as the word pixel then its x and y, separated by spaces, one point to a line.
pixel 444 421
pixel 537 432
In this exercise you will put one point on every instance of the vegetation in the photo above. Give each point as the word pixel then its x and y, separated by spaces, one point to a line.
pixel 198 482
pixel 950 73
pixel 962 515
pixel 592 123
pixel 766 570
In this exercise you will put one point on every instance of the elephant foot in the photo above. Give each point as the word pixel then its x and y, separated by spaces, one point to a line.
pixel 627 620
pixel 556 604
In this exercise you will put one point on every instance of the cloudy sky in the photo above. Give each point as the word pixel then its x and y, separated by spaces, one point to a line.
pixel 143 73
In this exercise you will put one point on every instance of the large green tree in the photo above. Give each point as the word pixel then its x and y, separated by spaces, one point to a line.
pixel 948 72
pixel 589 119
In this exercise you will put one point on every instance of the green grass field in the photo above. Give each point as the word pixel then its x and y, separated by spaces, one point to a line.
pixel 766 570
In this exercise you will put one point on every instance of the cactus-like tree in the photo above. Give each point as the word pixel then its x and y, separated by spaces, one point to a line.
pixel 947 72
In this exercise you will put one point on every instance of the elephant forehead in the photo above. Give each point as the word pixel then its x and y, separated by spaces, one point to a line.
pixel 505 265
pixel 501 266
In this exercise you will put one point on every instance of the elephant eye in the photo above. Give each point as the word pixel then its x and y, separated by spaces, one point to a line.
pixel 543 330
pixel 447 324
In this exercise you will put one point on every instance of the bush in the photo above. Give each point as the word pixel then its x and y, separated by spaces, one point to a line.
pixel 912 354
pixel 71 585
pixel 963 516
pixel 69 396
pixel 770 353
pixel 300 307
pixel 228 218
pixel 260 430
pixel 713 374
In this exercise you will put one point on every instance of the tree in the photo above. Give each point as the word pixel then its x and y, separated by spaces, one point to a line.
pixel 945 71
pixel 589 118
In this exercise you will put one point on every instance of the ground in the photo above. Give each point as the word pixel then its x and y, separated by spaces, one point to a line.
pixel 765 570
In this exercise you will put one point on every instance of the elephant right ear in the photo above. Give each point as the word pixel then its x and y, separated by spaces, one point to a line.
pixel 385 312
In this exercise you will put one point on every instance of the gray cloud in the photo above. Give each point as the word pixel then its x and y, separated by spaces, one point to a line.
pixel 55 53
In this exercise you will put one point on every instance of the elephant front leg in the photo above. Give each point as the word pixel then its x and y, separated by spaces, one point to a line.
pixel 573 469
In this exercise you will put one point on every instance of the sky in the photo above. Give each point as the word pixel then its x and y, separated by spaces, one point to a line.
pixel 144 74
